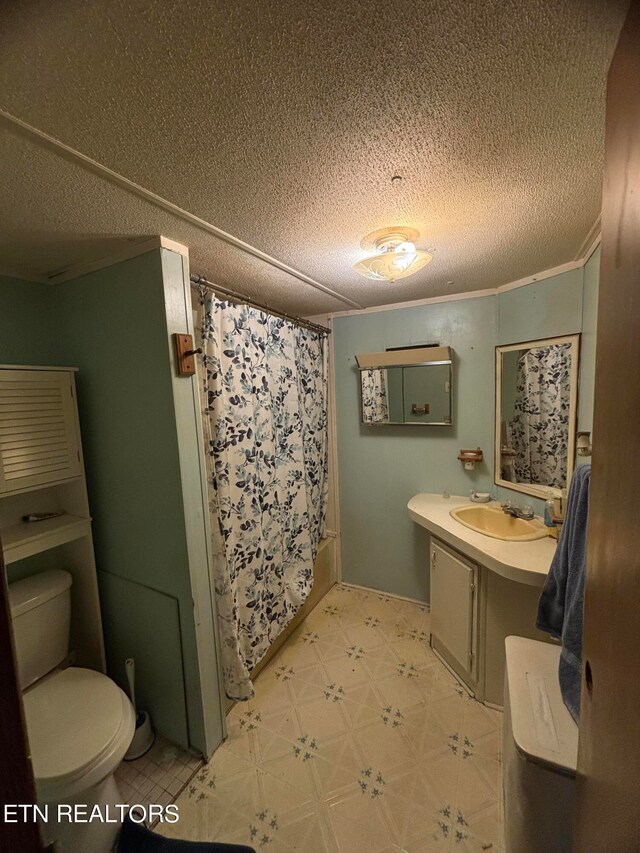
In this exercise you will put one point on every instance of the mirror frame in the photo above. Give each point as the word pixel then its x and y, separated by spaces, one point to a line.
pixel 362 370
pixel 526 488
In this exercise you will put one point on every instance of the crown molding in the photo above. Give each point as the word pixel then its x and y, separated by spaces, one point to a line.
pixel 414 303
pixel 591 241
pixel 469 294
pixel 540 276
pixel 479 294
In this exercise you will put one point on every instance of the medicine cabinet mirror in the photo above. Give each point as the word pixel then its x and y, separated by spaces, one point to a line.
pixel 412 388
pixel 536 403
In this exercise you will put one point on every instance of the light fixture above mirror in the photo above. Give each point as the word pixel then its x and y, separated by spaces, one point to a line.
pixel 395 254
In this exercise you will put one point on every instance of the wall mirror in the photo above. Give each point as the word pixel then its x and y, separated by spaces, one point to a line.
pixel 536 397
pixel 416 392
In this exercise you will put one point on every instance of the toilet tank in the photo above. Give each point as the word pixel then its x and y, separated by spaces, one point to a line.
pixel 40 612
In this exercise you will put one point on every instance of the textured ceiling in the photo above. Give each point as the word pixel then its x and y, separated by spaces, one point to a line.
pixel 283 123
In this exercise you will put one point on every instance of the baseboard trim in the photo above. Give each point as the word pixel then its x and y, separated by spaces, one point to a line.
pixel 387 594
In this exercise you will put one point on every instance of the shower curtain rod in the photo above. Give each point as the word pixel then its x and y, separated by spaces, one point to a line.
pixel 234 296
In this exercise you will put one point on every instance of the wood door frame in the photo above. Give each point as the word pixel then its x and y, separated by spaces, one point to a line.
pixel 17 784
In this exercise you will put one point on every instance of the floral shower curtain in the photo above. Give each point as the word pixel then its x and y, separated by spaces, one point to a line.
pixel 264 396
pixel 375 405
pixel 540 428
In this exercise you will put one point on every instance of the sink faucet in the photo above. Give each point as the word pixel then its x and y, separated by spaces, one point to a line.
pixel 525 511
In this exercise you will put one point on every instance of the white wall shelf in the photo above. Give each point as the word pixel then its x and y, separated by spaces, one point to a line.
pixel 29 538
pixel 42 471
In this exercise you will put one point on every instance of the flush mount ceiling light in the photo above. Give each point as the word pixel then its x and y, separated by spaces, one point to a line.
pixel 395 254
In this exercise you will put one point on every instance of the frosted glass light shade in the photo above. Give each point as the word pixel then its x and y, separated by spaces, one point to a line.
pixel 396 258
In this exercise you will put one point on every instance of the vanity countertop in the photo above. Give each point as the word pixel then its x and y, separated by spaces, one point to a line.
pixel 524 562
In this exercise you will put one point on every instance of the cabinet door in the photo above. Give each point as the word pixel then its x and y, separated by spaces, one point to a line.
pixel 38 429
pixel 453 585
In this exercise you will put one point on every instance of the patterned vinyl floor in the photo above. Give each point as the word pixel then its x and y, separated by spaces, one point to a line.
pixel 358 740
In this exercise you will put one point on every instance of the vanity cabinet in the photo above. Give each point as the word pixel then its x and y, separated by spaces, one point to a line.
pixel 473 610
pixel 483 590
pixel 454 608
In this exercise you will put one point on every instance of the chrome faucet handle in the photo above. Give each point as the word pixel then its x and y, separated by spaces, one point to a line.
pixel 526 511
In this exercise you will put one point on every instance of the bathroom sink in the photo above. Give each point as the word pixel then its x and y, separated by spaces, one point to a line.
pixel 492 521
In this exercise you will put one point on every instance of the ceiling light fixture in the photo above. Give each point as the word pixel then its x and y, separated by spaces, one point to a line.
pixel 395 254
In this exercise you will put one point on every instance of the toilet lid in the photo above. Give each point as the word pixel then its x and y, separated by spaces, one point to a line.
pixel 72 719
pixel 543 729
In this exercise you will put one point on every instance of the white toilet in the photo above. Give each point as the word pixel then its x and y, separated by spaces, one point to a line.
pixel 79 722
pixel 540 751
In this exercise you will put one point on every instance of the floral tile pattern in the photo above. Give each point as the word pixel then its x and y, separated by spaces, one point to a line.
pixel 357 739
pixel 334 692
pixel 392 717
pixel 371 783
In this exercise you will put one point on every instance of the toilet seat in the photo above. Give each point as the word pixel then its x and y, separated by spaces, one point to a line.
pixel 80 725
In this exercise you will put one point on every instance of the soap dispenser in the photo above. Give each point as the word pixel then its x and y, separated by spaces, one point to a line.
pixel 548 510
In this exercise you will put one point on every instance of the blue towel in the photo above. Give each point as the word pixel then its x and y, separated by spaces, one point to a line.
pixel 562 600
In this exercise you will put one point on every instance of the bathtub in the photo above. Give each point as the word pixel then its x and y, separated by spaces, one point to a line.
pixel 324 577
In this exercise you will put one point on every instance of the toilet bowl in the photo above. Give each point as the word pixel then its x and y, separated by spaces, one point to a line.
pixel 79 722
pixel 80 725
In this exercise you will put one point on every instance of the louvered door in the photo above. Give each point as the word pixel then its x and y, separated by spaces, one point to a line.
pixel 38 429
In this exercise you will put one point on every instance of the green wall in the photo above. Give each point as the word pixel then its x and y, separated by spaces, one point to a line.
pixel 26 333
pixel 114 326
pixel 142 454
pixel 381 468
pixel 545 309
